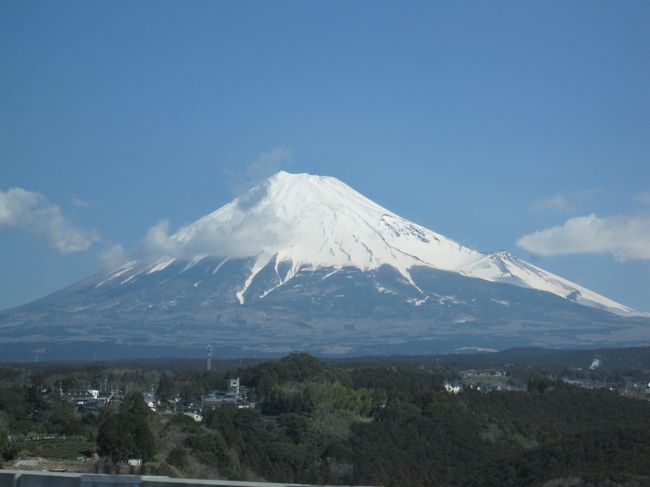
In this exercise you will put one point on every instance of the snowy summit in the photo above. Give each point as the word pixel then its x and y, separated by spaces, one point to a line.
pixel 303 221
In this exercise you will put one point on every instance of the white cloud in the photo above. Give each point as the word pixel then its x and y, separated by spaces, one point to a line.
pixel 248 229
pixel 554 203
pixel 79 203
pixel 256 171
pixel 112 256
pixel 625 237
pixel 643 198
pixel 565 203
pixel 158 243
pixel 32 212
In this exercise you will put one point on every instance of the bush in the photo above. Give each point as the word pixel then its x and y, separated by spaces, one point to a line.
pixel 177 457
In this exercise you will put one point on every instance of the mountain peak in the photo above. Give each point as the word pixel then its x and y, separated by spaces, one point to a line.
pixel 305 221
pixel 289 178
pixel 503 254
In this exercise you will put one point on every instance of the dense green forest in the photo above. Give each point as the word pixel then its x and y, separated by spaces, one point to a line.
pixel 367 422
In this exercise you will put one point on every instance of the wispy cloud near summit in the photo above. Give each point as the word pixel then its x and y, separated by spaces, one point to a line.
pixel 265 165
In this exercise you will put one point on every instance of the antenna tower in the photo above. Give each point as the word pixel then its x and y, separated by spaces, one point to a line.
pixel 209 364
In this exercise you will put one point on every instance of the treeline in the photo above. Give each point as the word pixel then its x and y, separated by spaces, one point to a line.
pixel 366 423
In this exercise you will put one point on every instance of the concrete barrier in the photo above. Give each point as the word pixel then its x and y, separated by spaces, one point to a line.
pixel 24 478
pixel 6 479
pixel 19 478
pixel 91 480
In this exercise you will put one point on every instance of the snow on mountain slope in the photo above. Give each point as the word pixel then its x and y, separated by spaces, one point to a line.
pixel 320 221
pixel 503 267
pixel 312 222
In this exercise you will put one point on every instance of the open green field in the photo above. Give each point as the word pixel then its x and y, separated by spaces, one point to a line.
pixel 66 448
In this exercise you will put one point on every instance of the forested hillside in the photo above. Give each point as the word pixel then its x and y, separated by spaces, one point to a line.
pixel 315 422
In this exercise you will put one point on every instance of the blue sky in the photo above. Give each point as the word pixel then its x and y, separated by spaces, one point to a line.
pixel 484 121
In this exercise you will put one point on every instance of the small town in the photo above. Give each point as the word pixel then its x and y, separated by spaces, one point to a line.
pixel 500 380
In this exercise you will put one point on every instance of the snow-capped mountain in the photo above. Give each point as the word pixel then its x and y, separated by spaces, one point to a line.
pixel 306 262
pixel 312 221
pixel 306 221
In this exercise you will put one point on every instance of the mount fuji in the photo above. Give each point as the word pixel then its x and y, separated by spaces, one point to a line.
pixel 306 262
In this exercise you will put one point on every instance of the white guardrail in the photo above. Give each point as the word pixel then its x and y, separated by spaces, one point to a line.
pixel 24 478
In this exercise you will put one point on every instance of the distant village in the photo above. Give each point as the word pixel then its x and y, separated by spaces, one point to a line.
pixel 493 379
pixel 235 397
pixel 92 400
